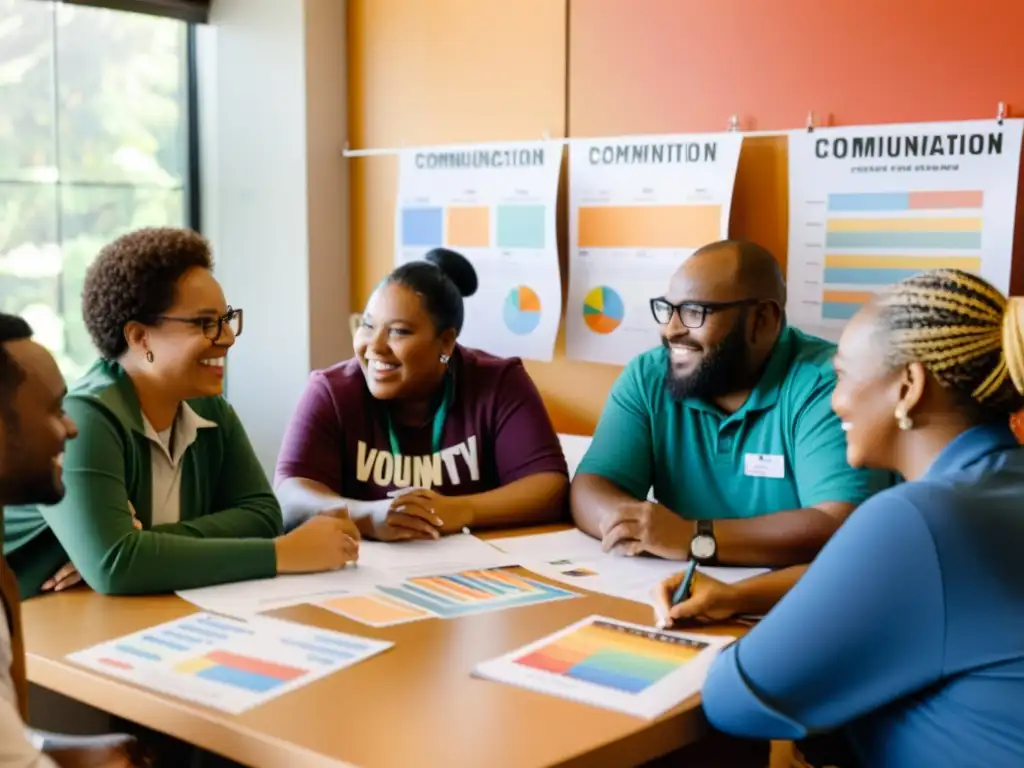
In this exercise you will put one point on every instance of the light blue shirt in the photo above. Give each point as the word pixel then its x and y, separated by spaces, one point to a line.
pixel 907 631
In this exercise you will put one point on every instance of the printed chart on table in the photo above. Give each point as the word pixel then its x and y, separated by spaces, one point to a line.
pixel 378 563
pixel 611 664
pixel 495 204
pixel 576 559
pixel 638 208
pixel 872 205
pixel 444 596
pixel 225 663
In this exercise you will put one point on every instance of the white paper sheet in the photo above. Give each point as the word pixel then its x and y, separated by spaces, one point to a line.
pixel 574 558
pixel 379 563
pixel 872 204
pixel 495 204
pixel 616 665
pixel 224 663
pixel 638 207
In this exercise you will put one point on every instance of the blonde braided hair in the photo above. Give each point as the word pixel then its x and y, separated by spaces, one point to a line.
pixel 964 331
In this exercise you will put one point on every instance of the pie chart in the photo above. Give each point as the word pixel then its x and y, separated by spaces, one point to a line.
pixel 603 309
pixel 522 310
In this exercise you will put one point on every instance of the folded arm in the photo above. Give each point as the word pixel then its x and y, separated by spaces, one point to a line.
pixel 94 525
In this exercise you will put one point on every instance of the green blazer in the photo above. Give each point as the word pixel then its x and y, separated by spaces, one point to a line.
pixel 229 514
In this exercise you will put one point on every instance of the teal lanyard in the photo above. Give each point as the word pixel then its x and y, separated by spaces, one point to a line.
pixel 437 432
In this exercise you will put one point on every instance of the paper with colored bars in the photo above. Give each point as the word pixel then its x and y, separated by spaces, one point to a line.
pixel 638 207
pixel 611 664
pixel 446 596
pixel 872 205
pixel 495 204
pixel 227 664
pixel 379 562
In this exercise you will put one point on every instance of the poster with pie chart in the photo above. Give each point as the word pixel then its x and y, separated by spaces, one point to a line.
pixel 495 203
pixel 603 310
pixel 639 206
pixel 522 310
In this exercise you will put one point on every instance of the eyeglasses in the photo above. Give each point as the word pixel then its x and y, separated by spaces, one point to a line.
pixel 212 327
pixel 692 314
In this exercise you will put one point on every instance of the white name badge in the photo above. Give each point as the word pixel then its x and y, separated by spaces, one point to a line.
pixel 764 465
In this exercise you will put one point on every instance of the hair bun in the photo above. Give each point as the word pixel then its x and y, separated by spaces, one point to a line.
pixel 1013 341
pixel 457 267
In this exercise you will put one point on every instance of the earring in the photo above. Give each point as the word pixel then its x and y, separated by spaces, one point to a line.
pixel 149 356
pixel 445 359
pixel 903 421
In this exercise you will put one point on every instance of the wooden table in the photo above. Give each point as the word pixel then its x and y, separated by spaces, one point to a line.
pixel 414 705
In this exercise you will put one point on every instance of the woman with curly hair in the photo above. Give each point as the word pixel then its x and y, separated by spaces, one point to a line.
pixel 163 489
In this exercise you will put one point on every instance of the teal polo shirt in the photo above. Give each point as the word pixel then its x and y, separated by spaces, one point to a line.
pixel 784 449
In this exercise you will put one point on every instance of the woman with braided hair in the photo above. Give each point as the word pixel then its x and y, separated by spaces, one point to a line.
pixel 902 644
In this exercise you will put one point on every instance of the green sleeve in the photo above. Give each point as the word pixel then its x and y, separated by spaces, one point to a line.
pixel 819 455
pixel 247 506
pixel 622 448
pixel 94 525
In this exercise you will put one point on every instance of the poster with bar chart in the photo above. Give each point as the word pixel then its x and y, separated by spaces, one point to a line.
pixel 494 204
pixel 872 205
pixel 224 663
pixel 638 207
pixel 612 664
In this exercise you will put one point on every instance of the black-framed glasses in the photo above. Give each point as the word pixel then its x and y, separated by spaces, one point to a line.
pixel 212 327
pixel 692 314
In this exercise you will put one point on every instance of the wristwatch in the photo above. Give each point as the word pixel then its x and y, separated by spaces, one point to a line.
pixel 703 547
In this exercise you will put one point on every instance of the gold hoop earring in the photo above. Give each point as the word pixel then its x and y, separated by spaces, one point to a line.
pixel 149 356
pixel 903 421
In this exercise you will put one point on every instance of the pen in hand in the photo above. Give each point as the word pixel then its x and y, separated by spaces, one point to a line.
pixel 682 591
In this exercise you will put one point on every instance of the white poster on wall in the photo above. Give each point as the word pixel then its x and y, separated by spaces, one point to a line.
pixel 871 205
pixel 638 207
pixel 495 204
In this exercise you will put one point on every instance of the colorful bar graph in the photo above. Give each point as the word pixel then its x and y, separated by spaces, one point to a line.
pixel 521 226
pixel 375 610
pixel 468 592
pixel 905 201
pixel 422 227
pixel 245 672
pixel 612 656
pixel 468 226
pixel 649 226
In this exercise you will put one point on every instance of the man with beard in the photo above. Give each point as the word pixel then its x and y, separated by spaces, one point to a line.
pixel 33 430
pixel 729 422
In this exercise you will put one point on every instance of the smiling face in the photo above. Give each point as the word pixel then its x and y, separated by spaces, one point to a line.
pixel 185 359
pixel 868 393
pixel 35 429
pixel 398 346
pixel 720 356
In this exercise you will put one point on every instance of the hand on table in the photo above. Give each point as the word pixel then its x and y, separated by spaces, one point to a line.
pixel 645 526
pixel 709 600
pixel 416 513
pixel 326 542
pixel 68 576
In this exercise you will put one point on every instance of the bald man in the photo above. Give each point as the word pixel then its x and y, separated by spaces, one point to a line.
pixel 729 422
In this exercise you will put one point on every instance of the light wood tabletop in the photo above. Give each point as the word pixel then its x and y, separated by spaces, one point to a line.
pixel 415 704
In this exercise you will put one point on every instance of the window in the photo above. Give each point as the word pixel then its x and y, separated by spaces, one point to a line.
pixel 94 142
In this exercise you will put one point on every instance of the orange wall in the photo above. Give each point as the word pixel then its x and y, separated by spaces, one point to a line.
pixel 495 69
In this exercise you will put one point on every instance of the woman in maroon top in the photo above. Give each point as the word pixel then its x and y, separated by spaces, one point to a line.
pixel 415 435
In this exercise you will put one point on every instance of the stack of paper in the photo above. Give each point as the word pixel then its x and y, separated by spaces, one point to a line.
pixel 573 557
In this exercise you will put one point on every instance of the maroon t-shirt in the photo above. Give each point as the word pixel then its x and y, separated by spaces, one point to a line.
pixel 497 431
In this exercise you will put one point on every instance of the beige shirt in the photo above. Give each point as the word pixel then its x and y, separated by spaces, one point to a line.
pixel 167 449
pixel 16 749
